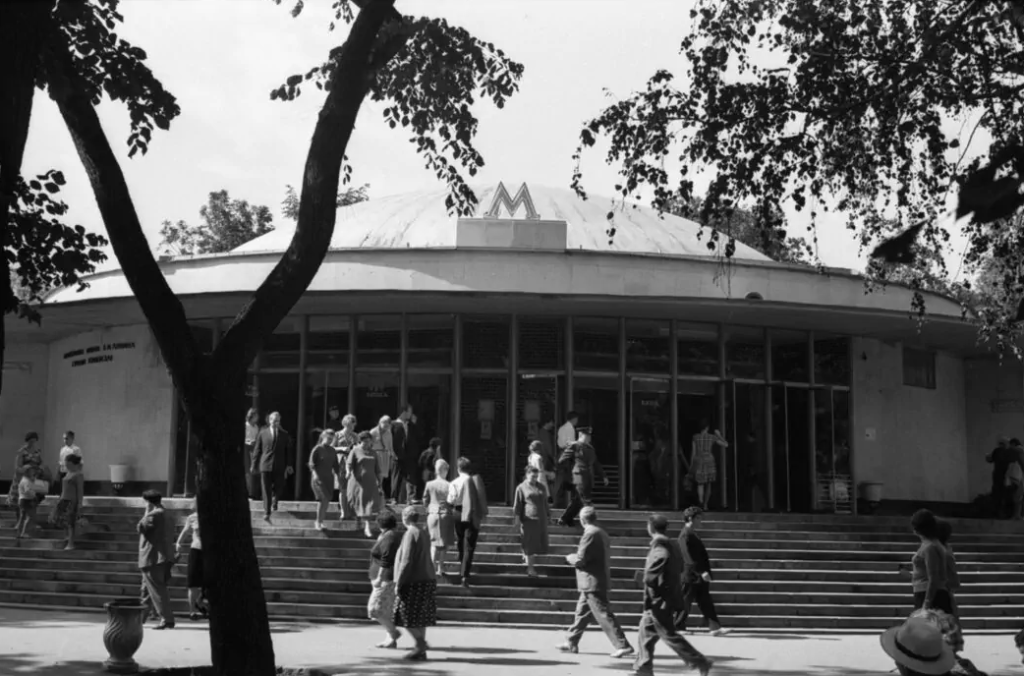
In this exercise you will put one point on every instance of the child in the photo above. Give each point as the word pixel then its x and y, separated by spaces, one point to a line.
pixel 28 489
pixel 65 514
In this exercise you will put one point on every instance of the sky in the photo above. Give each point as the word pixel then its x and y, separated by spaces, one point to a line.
pixel 221 58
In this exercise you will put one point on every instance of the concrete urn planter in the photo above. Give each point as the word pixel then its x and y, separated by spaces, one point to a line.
pixel 119 476
pixel 871 492
pixel 123 635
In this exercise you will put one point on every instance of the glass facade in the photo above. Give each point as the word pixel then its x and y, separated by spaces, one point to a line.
pixel 489 385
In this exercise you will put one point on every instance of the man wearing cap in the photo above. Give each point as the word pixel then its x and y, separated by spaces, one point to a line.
pixel 592 562
pixel 663 597
pixel 584 468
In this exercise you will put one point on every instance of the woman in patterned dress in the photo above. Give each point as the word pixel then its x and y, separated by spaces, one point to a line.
pixel 530 508
pixel 440 520
pixel 416 584
pixel 28 455
pixel 363 490
pixel 702 460
pixel 381 606
pixel 344 441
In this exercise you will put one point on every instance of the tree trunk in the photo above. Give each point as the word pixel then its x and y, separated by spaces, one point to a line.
pixel 240 641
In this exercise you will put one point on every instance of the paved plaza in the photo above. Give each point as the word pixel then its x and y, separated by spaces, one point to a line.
pixel 45 643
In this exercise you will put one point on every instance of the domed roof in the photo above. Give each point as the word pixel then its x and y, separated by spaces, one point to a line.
pixel 421 220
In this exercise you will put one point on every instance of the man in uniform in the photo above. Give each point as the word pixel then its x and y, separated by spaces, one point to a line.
pixel 585 467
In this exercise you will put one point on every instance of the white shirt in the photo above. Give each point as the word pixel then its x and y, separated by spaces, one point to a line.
pixel 65 452
pixel 457 488
pixel 566 435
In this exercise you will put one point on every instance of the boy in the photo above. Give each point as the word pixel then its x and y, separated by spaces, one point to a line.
pixel 29 489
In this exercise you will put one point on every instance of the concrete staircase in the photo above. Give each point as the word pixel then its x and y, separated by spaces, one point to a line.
pixel 772 571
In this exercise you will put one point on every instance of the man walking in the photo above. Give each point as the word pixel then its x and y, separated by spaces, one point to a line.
pixel 468 496
pixel 663 596
pixel 156 558
pixel 592 562
pixel 273 457
pixel 696 575
pixel 584 468
pixel 406 480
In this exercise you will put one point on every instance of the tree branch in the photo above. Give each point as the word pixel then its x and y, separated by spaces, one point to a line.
pixel 160 306
pixel 349 85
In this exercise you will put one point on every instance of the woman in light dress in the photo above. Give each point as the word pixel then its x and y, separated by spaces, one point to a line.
pixel 530 508
pixel 363 490
pixel 344 441
pixel 383 446
pixel 440 520
pixel 537 460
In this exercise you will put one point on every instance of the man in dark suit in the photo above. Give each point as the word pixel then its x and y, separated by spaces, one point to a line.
pixel 592 562
pixel 663 596
pixel 273 457
pixel 406 479
pixel 156 558
pixel 696 575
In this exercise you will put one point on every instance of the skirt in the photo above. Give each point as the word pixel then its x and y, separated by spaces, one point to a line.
pixel 704 470
pixel 65 513
pixel 441 529
pixel 417 605
pixel 194 572
pixel 382 602
pixel 535 536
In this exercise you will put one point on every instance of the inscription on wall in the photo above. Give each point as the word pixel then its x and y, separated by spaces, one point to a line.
pixel 96 354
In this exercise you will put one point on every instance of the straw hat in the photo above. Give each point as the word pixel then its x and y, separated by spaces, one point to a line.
pixel 919 645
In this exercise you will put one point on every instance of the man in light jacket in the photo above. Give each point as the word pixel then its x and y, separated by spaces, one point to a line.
pixel 663 597
pixel 592 562
pixel 156 558
pixel 467 496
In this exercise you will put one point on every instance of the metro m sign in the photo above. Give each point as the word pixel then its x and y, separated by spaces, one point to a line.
pixel 522 199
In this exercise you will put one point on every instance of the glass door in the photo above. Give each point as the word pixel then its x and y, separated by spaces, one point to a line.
pixel 748 448
pixel 650 447
pixel 538 395
pixel 798 449
pixel 832 450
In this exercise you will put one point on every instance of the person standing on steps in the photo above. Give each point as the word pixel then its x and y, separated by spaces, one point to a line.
pixel 702 460
pixel 565 438
pixel 408 485
pixel 663 597
pixel 585 467
pixel 530 509
pixel 194 577
pixel 156 558
pixel 252 432
pixel 381 606
pixel 415 584
pixel 383 447
pixel 592 562
pixel 344 442
pixel 323 474
pixel 696 575
pixel 69 507
pixel 67 449
pixel 363 491
pixel 440 522
pixel 468 499
pixel 273 457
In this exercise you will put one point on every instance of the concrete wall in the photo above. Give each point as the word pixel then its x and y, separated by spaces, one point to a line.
pixel 995 408
pixel 914 440
pixel 112 388
pixel 23 404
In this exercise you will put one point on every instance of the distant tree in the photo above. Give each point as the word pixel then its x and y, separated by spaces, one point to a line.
pixel 226 224
pixel 741 225
pixel 347 197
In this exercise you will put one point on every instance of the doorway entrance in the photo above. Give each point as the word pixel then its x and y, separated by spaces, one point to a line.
pixel 696 403
pixel 538 395
pixel 650 444
pixel 748 479
pixel 794 482
pixel 834 482
pixel 596 400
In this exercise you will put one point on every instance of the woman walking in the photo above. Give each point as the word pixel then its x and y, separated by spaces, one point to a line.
pixel 416 584
pixel 323 473
pixel 928 566
pixel 252 430
pixel 344 441
pixel 702 460
pixel 69 507
pixel 364 473
pixel 440 520
pixel 194 576
pixel 530 508
pixel 538 460
pixel 381 606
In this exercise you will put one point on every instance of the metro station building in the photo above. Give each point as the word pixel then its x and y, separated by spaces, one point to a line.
pixel 492 325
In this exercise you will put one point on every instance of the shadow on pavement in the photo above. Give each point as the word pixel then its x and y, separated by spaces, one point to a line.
pixel 478 651
pixel 773 636
pixel 12 665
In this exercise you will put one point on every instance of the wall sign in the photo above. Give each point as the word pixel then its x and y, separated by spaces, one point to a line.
pixel 96 354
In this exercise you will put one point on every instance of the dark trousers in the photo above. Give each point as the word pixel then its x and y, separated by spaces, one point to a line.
pixel 657 625
pixel 252 479
pixel 563 488
pixel 397 492
pixel 273 489
pixel 580 497
pixel 594 607
pixel 154 592
pixel 700 592
pixel 466 535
